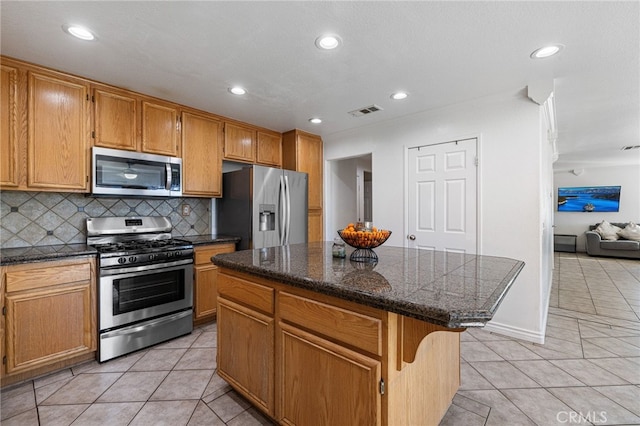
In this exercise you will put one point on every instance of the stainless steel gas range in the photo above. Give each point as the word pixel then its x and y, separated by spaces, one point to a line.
pixel 145 287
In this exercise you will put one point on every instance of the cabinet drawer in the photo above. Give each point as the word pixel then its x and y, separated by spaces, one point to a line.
pixel 246 293
pixel 346 326
pixel 203 255
pixel 40 276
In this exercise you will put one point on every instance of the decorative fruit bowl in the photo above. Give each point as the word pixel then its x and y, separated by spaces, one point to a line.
pixel 363 242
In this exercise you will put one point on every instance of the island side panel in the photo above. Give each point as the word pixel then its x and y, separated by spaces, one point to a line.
pixel 424 371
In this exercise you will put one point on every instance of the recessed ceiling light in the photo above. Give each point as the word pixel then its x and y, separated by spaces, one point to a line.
pixel 237 90
pixel 546 51
pixel 328 42
pixel 399 95
pixel 315 120
pixel 79 32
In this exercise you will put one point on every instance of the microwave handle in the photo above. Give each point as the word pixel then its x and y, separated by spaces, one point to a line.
pixel 167 184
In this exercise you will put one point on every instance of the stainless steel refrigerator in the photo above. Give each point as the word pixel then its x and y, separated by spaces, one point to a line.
pixel 265 206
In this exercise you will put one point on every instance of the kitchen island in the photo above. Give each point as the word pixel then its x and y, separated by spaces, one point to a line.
pixel 312 339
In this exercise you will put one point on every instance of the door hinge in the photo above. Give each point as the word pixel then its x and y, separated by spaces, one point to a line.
pixel 93 99
pixel 475 161
pixel 4 360
pixel 382 387
pixel 93 134
pixel 4 310
pixel 87 96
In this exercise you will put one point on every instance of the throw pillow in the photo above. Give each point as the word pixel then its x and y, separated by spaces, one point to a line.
pixel 630 232
pixel 608 231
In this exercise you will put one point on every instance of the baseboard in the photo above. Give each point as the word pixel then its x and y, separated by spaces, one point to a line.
pixel 518 333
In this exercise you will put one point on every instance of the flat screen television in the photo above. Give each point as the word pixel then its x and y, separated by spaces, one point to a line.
pixel 589 199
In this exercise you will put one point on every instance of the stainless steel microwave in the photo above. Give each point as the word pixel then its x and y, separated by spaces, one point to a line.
pixel 117 172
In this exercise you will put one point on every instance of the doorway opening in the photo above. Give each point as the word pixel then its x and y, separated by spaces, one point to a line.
pixel 349 192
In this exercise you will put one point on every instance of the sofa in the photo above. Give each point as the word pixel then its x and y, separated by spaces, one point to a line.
pixel 597 246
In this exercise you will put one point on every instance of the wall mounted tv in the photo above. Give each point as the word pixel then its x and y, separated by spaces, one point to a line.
pixel 589 199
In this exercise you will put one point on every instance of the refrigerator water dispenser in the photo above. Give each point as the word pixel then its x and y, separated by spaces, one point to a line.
pixel 267 217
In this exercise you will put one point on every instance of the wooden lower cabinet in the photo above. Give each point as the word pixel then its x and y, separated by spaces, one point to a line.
pixel 50 316
pixel 323 383
pixel 304 358
pixel 205 281
pixel 245 354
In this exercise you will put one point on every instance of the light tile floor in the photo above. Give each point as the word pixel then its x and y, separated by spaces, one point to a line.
pixel 587 372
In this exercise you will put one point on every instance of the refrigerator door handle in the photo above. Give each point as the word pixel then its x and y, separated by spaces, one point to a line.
pixel 288 199
pixel 281 216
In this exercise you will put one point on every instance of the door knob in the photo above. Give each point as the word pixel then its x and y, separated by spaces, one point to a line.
pixel 411 237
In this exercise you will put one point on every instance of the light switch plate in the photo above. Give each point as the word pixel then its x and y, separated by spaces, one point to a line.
pixel 186 210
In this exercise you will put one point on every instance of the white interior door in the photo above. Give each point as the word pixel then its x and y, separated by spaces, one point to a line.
pixel 441 202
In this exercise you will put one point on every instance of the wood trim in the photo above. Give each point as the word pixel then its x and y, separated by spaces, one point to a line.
pixel 411 334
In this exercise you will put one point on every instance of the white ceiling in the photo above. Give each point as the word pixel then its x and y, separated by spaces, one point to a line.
pixel 440 52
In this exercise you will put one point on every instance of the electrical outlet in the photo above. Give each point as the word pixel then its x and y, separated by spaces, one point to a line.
pixel 186 210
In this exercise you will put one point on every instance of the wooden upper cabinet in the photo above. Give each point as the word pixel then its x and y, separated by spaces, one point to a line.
pixel 239 143
pixel 303 152
pixel 201 155
pixel 269 149
pixel 160 128
pixel 115 119
pixel 58 136
pixel 310 161
pixel 9 149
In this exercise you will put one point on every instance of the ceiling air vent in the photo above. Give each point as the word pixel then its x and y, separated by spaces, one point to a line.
pixel 627 148
pixel 366 110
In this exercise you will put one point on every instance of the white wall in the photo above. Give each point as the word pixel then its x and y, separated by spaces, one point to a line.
pixel 576 223
pixel 510 152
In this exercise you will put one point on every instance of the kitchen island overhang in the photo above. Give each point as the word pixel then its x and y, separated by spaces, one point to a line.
pixel 449 289
pixel 312 339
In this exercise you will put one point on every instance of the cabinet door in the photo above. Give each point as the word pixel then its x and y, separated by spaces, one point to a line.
pixel 58 141
pixel 116 119
pixel 322 383
pixel 201 155
pixel 160 129
pixel 309 159
pixel 49 325
pixel 246 352
pixel 269 149
pixel 239 143
pixel 205 293
pixel 9 127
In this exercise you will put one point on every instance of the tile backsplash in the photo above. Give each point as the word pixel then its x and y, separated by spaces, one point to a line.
pixel 47 218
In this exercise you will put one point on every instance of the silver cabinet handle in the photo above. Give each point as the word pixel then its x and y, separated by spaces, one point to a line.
pixel 411 237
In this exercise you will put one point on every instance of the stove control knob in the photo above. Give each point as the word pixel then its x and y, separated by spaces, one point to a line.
pixel 169 254
pixel 122 260
pixel 178 253
pixel 132 259
pixel 153 256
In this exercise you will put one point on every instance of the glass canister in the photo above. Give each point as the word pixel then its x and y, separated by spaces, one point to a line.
pixel 338 249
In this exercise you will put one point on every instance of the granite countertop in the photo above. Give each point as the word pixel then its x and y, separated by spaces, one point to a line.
pixel 10 256
pixel 449 289
pixel 198 240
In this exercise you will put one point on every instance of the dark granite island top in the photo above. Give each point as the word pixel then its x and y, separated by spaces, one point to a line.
pixel 448 289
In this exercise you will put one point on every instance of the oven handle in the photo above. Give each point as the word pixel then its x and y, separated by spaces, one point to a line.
pixel 149 324
pixel 144 268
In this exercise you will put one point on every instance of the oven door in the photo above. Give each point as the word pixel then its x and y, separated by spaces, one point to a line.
pixel 130 295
